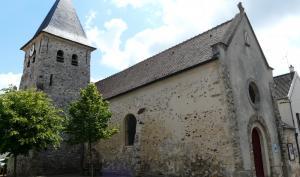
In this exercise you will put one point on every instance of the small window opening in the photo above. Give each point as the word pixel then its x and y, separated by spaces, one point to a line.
pixel 60 56
pixel 130 128
pixel 253 93
pixel 33 56
pixel 28 63
pixel 75 60
pixel 51 80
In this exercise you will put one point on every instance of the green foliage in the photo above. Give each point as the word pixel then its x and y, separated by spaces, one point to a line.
pixel 89 117
pixel 28 120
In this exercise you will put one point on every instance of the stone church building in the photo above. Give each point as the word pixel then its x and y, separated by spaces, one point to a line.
pixel 204 107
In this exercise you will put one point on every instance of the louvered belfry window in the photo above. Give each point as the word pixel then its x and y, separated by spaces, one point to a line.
pixel 75 60
pixel 60 56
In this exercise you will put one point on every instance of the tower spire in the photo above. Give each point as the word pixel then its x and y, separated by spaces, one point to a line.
pixel 62 21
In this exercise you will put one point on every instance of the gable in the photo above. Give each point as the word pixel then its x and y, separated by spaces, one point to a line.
pixel 242 21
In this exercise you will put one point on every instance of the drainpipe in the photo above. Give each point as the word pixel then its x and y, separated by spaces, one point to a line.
pixel 296 134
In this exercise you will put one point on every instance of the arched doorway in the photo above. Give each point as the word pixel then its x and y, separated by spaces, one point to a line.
pixel 258 153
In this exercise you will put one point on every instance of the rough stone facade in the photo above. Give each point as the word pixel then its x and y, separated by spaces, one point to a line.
pixel 184 130
pixel 290 152
pixel 62 82
pixel 67 79
pixel 195 118
pixel 246 63
pixel 200 122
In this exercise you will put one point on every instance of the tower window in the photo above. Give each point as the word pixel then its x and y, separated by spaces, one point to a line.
pixel 28 63
pixel 33 56
pixel 130 129
pixel 60 56
pixel 51 80
pixel 75 60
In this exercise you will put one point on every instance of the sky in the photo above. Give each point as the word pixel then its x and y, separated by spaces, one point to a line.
pixel 128 31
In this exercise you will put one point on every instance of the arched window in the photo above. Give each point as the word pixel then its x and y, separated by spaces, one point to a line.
pixel 75 60
pixel 60 56
pixel 130 129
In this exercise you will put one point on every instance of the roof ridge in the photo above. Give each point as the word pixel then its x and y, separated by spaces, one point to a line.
pixel 281 75
pixel 46 21
pixel 168 49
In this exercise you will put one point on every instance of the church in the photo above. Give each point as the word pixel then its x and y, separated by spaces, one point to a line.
pixel 204 107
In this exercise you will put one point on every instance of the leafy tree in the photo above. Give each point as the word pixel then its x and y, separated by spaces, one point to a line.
pixel 28 121
pixel 88 120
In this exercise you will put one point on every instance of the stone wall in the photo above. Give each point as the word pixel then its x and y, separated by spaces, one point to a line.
pixel 293 169
pixel 62 83
pixel 246 63
pixel 67 79
pixel 183 127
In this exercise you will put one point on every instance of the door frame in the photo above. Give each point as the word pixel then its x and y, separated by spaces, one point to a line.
pixel 265 149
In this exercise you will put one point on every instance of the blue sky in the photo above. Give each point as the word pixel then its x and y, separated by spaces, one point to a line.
pixel 128 31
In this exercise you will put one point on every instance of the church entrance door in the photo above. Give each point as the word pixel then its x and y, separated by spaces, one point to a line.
pixel 257 151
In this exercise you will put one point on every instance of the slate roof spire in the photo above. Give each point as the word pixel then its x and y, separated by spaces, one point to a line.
pixel 62 21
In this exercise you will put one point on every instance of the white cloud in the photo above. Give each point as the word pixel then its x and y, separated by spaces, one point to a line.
pixel 109 41
pixel 9 79
pixel 281 42
pixel 133 3
pixel 89 18
pixel 181 20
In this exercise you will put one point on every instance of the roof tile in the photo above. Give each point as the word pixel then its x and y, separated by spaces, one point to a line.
pixel 62 21
pixel 282 85
pixel 185 55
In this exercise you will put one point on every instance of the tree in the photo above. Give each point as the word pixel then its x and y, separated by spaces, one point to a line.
pixel 28 121
pixel 88 120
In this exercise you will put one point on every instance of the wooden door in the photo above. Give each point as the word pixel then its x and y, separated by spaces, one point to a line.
pixel 257 151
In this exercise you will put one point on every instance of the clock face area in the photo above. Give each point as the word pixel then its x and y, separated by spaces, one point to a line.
pixel 31 50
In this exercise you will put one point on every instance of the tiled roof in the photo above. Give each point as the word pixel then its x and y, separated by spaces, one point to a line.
pixel 185 55
pixel 282 85
pixel 62 21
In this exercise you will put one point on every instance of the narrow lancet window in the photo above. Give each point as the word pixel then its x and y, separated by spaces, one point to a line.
pixel 130 129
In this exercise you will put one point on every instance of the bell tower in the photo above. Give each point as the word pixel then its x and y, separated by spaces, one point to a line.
pixel 57 61
pixel 57 58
